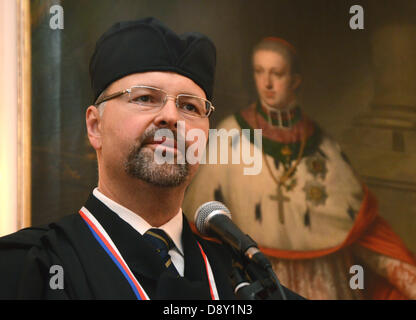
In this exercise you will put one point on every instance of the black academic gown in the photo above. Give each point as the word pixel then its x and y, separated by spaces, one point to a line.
pixel 26 258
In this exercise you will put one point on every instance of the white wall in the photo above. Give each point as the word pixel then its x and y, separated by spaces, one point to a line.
pixel 8 116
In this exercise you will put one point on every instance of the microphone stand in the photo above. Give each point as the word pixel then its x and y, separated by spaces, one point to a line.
pixel 251 282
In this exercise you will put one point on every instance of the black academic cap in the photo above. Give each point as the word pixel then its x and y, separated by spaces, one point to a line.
pixel 148 45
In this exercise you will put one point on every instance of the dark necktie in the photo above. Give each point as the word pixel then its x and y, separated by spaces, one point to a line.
pixel 162 243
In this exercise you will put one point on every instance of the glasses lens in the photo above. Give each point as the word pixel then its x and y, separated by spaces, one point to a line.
pixel 147 97
pixel 193 106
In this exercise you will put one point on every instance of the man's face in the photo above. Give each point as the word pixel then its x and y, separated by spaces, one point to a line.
pixel 275 83
pixel 127 145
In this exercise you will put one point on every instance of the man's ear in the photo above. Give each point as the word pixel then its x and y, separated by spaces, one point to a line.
pixel 296 81
pixel 93 122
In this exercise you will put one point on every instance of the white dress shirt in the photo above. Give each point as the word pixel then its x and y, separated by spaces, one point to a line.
pixel 173 227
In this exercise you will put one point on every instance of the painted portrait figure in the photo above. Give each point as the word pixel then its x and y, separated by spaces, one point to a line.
pixel 307 208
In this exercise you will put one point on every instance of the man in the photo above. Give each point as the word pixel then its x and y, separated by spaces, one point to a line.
pixel 130 240
pixel 307 208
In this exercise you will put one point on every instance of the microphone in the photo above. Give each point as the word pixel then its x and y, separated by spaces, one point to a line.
pixel 214 219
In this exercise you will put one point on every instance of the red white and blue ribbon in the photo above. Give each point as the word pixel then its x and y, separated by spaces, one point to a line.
pixel 105 241
pixel 110 248
pixel 212 286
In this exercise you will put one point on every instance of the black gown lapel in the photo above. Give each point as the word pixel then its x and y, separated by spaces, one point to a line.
pixel 138 254
pixel 219 259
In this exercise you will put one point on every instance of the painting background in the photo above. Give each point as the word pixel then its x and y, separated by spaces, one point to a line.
pixel 359 85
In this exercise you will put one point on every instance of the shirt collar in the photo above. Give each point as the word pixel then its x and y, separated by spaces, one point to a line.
pixel 173 227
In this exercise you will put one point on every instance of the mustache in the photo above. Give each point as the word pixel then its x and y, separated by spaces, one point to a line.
pixel 155 134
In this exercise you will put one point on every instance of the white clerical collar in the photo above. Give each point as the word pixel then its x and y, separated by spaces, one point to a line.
pixel 279 114
pixel 173 227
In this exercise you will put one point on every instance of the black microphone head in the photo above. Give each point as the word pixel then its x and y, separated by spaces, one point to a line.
pixel 205 212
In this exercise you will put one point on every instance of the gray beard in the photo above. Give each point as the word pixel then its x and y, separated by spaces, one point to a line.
pixel 140 164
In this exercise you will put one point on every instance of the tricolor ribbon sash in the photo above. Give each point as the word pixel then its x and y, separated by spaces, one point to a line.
pixel 110 248
pixel 211 280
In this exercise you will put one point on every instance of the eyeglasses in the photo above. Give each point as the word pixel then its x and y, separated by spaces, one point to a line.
pixel 153 99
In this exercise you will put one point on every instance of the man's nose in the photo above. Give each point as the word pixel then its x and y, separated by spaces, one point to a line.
pixel 168 116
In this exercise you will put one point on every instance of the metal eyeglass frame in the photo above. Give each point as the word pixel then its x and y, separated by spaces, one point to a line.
pixel 120 93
